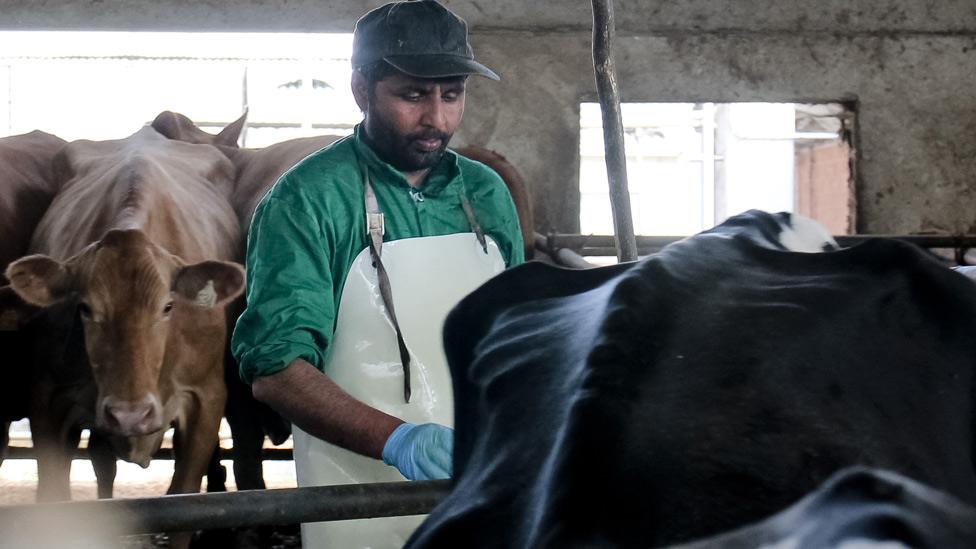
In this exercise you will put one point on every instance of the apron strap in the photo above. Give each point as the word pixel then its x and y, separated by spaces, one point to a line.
pixel 376 228
pixel 475 227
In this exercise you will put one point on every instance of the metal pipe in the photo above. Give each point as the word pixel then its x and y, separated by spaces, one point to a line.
pixel 921 240
pixel 273 454
pixel 589 245
pixel 562 256
pixel 188 512
pixel 613 132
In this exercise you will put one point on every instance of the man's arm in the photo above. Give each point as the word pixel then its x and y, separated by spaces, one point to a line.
pixel 312 401
pixel 285 330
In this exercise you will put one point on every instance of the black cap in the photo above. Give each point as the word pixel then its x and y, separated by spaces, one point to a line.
pixel 418 37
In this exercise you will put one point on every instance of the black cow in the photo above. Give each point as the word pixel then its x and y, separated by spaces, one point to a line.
pixel 703 388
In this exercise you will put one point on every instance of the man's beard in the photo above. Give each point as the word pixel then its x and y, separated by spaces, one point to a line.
pixel 402 151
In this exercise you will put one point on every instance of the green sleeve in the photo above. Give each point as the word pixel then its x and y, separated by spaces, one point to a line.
pixel 290 305
pixel 516 251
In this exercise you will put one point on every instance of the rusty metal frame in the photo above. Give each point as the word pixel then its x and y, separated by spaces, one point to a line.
pixel 613 132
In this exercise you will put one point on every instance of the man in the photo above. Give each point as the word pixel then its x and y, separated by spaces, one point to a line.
pixel 388 210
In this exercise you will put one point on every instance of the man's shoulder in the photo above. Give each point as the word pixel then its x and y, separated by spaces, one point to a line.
pixel 325 171
pixel 340 155
pixel 474 171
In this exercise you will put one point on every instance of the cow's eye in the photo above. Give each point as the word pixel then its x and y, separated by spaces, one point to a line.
pixel 167 308
pixel 84 310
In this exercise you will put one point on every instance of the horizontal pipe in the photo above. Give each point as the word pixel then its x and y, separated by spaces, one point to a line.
pixel 591 245
pixel 188 512
pixel 562 256
pixel 921 240
pixel 273 454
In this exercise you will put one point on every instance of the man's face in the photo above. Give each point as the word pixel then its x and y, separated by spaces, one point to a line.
pixel 409 121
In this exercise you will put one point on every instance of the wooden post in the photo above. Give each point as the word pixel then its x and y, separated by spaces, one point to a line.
pixel 613 133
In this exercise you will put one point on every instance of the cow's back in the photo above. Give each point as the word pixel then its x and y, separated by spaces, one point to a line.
pixel 701 389
pixel 177 193
pixel 259 169
pixel 754 381
pixel 27 186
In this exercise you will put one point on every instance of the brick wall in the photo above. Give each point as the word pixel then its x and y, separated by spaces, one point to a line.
pixel 823 184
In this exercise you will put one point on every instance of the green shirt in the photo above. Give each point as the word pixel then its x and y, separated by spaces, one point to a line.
pixel 311 225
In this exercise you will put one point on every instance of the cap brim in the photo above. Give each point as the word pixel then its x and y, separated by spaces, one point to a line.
pixel 438 66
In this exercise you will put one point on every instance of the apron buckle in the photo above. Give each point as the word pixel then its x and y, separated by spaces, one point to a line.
pixel 375 223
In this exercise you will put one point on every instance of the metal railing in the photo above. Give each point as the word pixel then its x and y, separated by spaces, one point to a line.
pixel 188 512
pixel 272 454
pixel 604 245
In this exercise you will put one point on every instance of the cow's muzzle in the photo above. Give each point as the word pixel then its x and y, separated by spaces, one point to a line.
pixel 131 417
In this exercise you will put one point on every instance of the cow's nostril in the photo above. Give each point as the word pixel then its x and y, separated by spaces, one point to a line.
pixel 131 418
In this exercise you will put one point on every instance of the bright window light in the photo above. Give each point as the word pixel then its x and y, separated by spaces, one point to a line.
pixel 106 85
pixel 692 165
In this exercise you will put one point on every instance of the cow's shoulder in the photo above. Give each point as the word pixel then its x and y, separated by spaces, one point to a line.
pixel 782 231
pixel 524 285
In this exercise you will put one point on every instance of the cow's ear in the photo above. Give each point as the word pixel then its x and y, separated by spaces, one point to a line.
pixel 14 311
pixel 173 125
pixel 209 283
pixel 39 280
pixel 232 133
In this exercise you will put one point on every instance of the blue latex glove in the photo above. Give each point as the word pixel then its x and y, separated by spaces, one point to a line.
pixel 421 452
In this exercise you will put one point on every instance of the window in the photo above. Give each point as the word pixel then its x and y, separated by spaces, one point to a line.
pixel 106 85
pixel 692 165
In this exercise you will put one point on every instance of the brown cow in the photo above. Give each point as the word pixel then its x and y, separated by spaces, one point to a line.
pixel 138 242
pixel 177 126
pixel 257 171
pixel 516 187
pixel 26 189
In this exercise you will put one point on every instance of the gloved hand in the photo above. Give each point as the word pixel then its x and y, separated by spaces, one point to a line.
pixel 421 452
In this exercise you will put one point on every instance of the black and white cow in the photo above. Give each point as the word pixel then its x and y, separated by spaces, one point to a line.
pixel 703 388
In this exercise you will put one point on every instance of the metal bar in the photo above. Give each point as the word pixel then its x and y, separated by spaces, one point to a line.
pixel 600 244
pixel 921 240
pixel 273 454
pixel 562 256
pixel 613 132
pixel 611 251
pixel 187 512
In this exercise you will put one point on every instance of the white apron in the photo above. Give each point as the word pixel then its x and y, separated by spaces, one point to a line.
pixel 428 276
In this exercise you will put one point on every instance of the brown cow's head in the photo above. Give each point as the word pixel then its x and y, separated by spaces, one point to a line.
pixel 131 295
pixel 178 127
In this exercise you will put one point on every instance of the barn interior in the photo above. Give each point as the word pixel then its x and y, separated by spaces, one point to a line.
pixel 887 85
pixel 904 68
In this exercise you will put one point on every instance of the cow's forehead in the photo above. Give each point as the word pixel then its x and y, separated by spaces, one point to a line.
pixel 126 263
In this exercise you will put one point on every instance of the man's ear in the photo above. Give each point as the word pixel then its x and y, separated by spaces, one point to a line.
pixel 39 280
pixel 14 311
pixel 360 90
pixel 209 283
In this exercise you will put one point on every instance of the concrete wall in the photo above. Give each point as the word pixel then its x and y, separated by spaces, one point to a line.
pixel 908 67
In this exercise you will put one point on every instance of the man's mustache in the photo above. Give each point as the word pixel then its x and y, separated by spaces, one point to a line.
pixel 429 134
